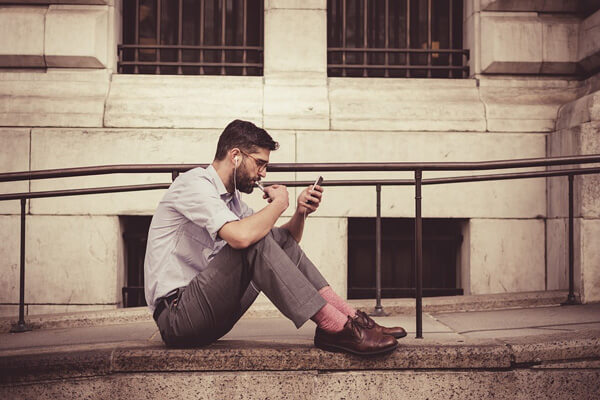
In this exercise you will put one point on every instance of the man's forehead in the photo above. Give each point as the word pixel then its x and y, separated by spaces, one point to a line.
pixel 262 153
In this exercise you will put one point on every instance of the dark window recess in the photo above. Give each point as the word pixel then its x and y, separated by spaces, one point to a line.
pixel 396 39
pixel 135 236
pixel 441 247
pixel 192 37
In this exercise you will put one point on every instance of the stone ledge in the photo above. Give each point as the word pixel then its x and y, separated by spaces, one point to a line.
pixel 555 347
pixel 64 362
pixel 577 112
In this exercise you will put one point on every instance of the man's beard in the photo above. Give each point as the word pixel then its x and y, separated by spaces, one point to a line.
pixel 243 181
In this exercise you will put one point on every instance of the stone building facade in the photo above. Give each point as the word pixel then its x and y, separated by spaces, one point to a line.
pixel 532 91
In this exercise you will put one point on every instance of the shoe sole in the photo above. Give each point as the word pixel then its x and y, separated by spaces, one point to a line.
pixel 340 349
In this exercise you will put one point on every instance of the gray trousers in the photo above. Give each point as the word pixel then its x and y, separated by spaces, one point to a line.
pixel 221 293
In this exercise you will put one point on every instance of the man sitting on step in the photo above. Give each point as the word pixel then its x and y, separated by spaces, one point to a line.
pixel 209 255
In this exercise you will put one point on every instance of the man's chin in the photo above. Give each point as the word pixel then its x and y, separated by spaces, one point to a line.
pixel 247 190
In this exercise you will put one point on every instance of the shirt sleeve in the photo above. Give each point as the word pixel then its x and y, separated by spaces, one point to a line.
pixel 198 200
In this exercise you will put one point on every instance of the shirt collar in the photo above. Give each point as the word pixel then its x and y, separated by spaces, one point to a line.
pixel 225 195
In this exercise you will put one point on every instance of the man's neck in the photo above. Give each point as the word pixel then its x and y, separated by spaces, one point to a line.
pixel 224 171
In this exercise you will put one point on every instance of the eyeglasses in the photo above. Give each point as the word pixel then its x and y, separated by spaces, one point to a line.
pixel 260 164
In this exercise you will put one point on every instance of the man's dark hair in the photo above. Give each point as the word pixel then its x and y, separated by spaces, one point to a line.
pixel 244 135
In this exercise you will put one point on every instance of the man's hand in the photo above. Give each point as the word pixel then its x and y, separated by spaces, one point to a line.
pixel 309 200
pixel 277 194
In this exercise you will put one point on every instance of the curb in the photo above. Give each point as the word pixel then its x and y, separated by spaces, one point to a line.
pixel 578 350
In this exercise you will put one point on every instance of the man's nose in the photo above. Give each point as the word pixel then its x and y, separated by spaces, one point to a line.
pixel 262 173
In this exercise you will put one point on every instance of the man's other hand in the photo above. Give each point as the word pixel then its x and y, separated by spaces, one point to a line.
pixel 309 199
pixel 277 193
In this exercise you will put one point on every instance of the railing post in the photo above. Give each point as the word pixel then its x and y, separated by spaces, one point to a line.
pixel 571 300
pixel 418 254
pixel 21 326
pixel 378 307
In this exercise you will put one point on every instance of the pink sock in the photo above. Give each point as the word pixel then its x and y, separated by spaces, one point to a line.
pixel 330 319
pixel 332 298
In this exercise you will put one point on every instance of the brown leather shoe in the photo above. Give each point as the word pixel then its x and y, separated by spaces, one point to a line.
pixel 355 339
pixel 367 322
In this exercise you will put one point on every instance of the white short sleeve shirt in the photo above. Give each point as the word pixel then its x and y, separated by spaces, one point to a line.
pixel 183 239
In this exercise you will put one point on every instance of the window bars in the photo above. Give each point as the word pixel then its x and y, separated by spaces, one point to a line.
pixel 396 38
pixel 192 37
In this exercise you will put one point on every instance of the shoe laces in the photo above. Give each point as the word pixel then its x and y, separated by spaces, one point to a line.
pixel 356 327
pixel 364 320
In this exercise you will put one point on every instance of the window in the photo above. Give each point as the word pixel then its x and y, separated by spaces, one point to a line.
pixel 135 236
pixel 192 37
pixel 441 251
pixel 396 38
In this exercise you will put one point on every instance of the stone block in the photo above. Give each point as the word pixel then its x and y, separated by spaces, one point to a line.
pixel 548 6
pixel 472 41
pixel 56 98
pixel 578 111
pixel 296 4
pixel 10 237
pixel 557 255
pixel 581 139
pixel 14 157
pixel 405 105
pixel 76 36
pixel 9 311
pixel 127 146
pixel 288 105
pixel 295 41
pixel 73 259
pixel 589 36
pixel 507 255
pixel 161 101
pixel 590 260
pixel 501 199
pixel 325 243
pixel 22 36
pixel 559 50
pixel 511 43
pixel 525 105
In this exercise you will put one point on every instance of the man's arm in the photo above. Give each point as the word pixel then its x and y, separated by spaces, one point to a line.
pixel 296 224
pixel 247 231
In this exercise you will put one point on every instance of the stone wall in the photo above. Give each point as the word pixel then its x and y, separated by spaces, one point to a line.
pixel 69 109
pixel 578 132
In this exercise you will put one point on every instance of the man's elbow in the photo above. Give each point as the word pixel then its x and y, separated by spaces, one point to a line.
pixel 239 244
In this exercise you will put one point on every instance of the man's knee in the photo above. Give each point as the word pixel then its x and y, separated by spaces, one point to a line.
pixel 282 236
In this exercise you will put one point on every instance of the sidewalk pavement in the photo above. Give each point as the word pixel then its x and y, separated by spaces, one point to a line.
pixel 439 328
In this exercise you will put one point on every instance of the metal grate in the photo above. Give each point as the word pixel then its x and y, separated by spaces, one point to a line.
pixel 441 257
pixel 396 38
pixel 192 37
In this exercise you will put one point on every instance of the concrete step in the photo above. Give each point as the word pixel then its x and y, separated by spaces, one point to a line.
pixel 532 367
pixel 529 353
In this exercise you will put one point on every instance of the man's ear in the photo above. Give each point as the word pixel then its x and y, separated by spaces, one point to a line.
pixel 235 154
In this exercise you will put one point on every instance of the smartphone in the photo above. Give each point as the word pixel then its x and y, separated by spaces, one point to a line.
pixel 317 183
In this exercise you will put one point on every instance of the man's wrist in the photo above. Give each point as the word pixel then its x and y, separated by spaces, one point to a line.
pixel 281 203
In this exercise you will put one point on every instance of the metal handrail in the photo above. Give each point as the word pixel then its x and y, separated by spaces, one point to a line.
pixel 308 167
pixel 418 181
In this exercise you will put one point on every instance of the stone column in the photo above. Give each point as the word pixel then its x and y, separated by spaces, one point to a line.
pixel 295 65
